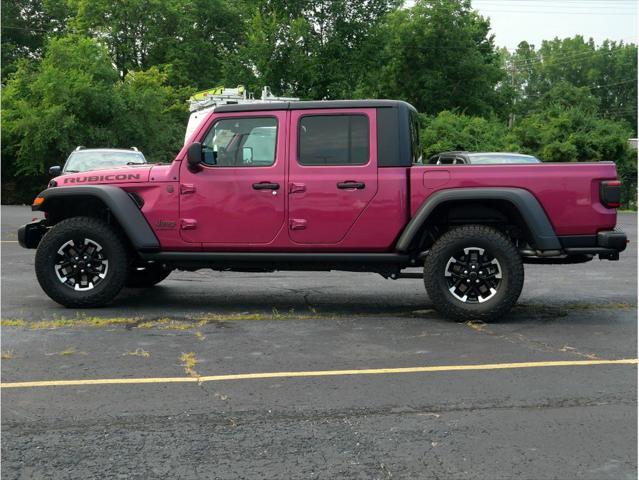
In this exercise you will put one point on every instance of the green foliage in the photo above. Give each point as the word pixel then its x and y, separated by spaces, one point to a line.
pixel 62 102
pixel 117 73
pixel 452 131
pixel 151 115
pixel 608 72
pixel 313 49
pixel 567 128
pixel 74 97
pixel 26 24
pixel 191 39
pixel 438 55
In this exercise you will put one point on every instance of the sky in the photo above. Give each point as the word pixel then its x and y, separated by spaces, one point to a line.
pixel 535 20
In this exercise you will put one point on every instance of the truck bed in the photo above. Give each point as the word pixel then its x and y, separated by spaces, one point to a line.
pixel 568 192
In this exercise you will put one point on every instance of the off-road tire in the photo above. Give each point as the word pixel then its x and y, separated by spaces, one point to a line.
pixel 499 246
pixel 113 247
pixel 151 275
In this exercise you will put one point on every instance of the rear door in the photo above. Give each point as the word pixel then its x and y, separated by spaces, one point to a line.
pixel 332 173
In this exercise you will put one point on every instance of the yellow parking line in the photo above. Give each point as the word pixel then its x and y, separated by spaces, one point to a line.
pixel 315 373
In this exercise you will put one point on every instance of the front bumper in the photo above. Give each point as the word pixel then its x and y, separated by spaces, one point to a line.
pixel 29 235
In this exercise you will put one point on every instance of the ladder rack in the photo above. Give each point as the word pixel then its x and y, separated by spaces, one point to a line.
pixel 232 96
pixel 201 103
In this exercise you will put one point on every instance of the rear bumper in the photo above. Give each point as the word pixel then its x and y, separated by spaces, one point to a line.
pixel 607 244
pixel 29 235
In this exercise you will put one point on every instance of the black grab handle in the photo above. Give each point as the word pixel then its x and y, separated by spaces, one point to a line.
pixel 266 186
pixel 349 185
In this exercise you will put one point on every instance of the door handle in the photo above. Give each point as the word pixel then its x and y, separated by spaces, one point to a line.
pixel 349 185
pixel 266 186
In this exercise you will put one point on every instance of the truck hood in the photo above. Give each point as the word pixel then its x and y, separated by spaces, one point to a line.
pixel 125 174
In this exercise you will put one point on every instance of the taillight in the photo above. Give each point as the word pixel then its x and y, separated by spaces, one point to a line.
pixel 610 193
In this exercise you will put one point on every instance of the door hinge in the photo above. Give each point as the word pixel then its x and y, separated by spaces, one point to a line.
pixel 188 224
pixel 298 224
pixel 187 188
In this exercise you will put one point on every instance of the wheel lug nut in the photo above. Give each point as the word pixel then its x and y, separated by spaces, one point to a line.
pixel 476 281
pixel 466 272
pixel 468 281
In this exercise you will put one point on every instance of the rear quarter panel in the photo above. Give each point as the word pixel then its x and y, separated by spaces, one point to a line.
pixel 568 192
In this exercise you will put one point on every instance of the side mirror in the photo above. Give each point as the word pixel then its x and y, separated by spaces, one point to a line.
pixel 247 155
pixel 55 170
pixel 194 156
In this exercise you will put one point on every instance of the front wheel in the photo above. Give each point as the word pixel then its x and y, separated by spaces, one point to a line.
pixel 81 262
pixel 473 272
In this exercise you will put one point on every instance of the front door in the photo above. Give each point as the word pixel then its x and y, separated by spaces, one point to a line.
pixel 333 172
pixel 238 195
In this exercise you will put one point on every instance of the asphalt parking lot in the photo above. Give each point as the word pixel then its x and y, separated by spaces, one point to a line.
pixel 322 375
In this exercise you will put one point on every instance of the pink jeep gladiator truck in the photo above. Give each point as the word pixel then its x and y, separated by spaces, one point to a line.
pixel 317 186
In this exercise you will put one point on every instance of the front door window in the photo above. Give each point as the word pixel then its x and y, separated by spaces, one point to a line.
pixel 241 142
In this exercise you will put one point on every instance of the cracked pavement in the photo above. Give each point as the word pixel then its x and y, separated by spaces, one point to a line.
pixel 534 423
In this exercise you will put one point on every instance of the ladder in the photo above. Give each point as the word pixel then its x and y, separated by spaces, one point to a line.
pixel 201 103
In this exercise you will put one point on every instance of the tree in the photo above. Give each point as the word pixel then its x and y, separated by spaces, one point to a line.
pixel 453 131
pixel 25 25
pixel 150 115
pixel 67 100
pixel 313 49
pixel 567 128
pixel 190 39
pixel 608 72
pixel 74 97
pixel 438 55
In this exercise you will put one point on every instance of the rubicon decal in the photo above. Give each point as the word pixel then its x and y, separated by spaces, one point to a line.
pixel 103 178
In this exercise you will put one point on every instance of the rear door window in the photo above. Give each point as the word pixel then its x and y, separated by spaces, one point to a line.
pixel 334 140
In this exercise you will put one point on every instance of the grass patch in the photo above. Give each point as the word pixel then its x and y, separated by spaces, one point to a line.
pixel 189 361
pixel 476 325
pixel 196 321
pixel 13 322
pixel 63 322
pixel 138 352
pixel 6 354
pixel 66 352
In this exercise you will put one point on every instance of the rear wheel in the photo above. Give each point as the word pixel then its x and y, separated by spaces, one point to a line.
pixel 81 262
pixel 146 276
pixel 473 272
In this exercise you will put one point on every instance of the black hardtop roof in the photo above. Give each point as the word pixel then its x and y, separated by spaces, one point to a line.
pixel 313 104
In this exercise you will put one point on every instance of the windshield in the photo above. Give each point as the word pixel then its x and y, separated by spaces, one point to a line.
pixel 494 159
pixel 83 161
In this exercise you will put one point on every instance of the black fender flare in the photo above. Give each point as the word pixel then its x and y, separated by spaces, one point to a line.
pixel 119 203
pixel 529 207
